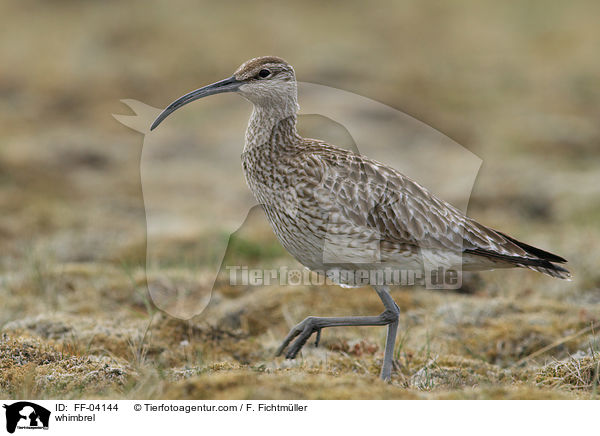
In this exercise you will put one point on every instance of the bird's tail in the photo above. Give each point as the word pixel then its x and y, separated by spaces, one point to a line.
pixel 556 271
pixel 545 262
pixel 537 259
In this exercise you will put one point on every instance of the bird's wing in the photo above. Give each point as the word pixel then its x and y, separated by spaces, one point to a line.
pixel 371 195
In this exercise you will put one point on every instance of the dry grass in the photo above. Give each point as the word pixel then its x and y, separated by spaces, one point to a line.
pixel 514 83
pixel 579 372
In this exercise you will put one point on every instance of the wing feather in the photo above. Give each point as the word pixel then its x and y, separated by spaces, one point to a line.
pixel 370 194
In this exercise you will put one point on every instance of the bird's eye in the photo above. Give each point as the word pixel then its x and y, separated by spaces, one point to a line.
pixel 264 73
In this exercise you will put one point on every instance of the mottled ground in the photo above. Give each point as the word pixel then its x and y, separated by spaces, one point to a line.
pixel 516 84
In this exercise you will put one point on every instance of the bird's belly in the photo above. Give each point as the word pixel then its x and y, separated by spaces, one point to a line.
pixel 320 244
pixel 301 235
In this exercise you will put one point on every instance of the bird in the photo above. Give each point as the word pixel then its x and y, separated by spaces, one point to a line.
pixel 335 210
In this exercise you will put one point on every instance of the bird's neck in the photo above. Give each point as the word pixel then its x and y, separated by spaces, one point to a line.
pixel 273 126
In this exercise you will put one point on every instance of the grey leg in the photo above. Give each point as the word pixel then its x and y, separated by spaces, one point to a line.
pixel 390 340
pixel 388 356
pixel 312 324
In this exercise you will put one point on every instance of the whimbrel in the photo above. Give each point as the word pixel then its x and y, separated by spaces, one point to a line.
pixel 348 212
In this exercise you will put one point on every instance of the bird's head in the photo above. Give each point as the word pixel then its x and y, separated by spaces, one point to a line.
pixel 268 82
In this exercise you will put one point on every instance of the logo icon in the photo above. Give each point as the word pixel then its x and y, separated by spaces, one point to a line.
pixel 26 415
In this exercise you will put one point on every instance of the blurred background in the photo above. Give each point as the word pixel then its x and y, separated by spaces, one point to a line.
pixel 515 83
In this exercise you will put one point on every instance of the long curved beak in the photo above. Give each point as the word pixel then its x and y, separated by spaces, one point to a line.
pixel 228 85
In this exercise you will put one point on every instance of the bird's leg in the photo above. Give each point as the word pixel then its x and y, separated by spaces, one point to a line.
pixel 388 355
pixel 303 331
pixel 318 338
pixel 390 339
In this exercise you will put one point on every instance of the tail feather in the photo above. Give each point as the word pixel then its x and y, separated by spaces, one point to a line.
pixel 541 261
pixel 534 250
pixel 556 271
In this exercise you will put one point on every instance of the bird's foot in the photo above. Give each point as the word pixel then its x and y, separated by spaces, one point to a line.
pixel 302 332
